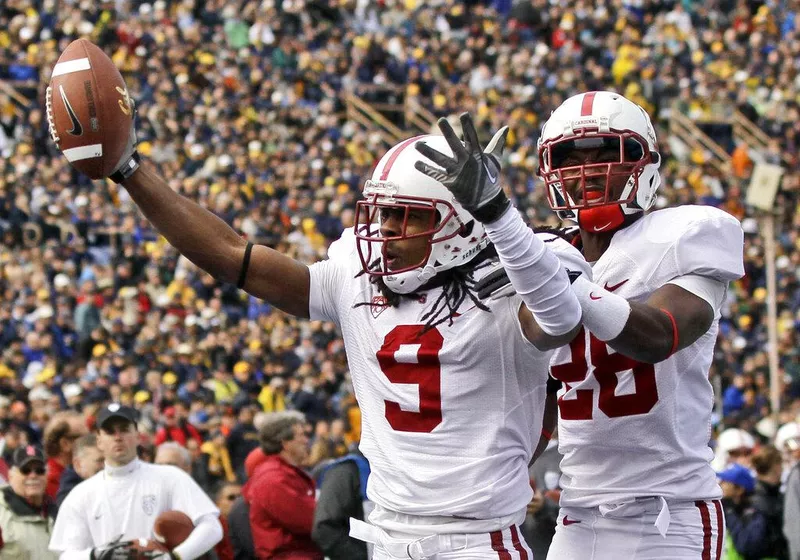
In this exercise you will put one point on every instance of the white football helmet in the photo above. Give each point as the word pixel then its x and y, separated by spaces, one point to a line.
pixel 594 120
pixel 454 238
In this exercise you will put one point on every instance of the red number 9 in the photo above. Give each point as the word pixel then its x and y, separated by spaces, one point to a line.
pixel 426 373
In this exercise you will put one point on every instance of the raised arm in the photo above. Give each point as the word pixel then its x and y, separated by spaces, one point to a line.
pixel 208 241
pixel 550 314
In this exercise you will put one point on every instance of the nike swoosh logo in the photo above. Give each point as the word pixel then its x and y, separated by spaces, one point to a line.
pixel 77 129
pixel 611 288
pixel 594 297
pixel 601 228
pixel 492 178
pixel 567 521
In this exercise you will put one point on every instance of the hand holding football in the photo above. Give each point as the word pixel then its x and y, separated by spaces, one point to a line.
pixel 89 111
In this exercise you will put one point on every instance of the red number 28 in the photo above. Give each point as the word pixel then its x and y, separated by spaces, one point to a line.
pixel 426 373
pixel 606 368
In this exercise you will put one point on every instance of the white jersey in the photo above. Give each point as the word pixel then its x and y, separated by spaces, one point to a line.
pixel 125 501
pixel 628 429
pixel 451 416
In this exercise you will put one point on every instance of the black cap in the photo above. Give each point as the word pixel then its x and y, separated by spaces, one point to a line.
pixel 116 410
pixel 27 454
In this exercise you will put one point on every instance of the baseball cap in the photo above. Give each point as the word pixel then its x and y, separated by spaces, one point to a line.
pixel 116 410
pixel 24 455
pixel 740 476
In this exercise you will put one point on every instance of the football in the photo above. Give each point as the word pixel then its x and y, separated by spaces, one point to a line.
pixel 89 111
pixel 172 528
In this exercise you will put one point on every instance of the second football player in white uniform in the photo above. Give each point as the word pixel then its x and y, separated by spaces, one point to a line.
pixel 635 408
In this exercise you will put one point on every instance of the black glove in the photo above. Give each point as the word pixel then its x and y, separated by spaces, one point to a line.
pixel 115 550
pixel 472 174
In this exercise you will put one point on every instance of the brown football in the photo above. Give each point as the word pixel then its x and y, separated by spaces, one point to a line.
pixel 88 109
pixel 172 528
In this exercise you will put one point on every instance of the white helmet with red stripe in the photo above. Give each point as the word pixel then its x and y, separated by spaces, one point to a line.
pixel 600 119
pixel 454 237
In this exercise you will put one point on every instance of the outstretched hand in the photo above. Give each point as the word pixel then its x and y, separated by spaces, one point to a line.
pixel 472 174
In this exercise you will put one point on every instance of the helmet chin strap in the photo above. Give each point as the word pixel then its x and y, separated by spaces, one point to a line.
pixel 601 219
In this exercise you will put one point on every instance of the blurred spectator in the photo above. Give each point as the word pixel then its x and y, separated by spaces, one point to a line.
pixel 768 501
pixel 176 428
pixel 281 494
pixel 26 512
pixel 241 537
pixel 242 440
pixel 746 527
pixel 87 460
pixel 540 521
pixel 173 453
pixel 215 462
pixel 734 446
pixel 272 397
pixel 59 440
pixel 329 442
pixel 342 495
pixel 791 512
pixel 10 440
pixel 226 495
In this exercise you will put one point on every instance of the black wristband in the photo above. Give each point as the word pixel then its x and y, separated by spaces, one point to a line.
pixel 245 266
pixel 127 169
pixel 493 209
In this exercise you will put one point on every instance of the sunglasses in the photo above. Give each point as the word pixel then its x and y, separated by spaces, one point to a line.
pixel 28 470
pixel 741 452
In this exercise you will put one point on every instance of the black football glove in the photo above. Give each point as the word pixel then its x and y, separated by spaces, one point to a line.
pixel 472 174
pixel 115 550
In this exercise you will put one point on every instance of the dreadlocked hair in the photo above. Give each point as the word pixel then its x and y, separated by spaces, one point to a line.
pixel 458 284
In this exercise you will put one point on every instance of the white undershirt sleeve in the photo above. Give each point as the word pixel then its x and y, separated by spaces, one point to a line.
pixel 711 290
pixel 207 533
pixel 536 274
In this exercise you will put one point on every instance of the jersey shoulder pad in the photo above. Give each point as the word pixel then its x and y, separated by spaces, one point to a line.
pixel 704 240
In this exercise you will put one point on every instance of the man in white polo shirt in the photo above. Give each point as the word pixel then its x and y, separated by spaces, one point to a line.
pixel 102 515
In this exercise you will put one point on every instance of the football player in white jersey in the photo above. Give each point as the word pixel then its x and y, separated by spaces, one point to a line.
pixel 635 407
pixel 451 390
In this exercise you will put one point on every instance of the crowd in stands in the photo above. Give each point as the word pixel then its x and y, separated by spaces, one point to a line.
pixel 243 104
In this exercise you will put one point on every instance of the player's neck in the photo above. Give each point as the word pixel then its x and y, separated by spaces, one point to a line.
pixel 595 244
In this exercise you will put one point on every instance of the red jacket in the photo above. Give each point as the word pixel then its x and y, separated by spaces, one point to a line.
pixel 54 470
pixel 224 548
pixel 177 434
pixel 281 499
